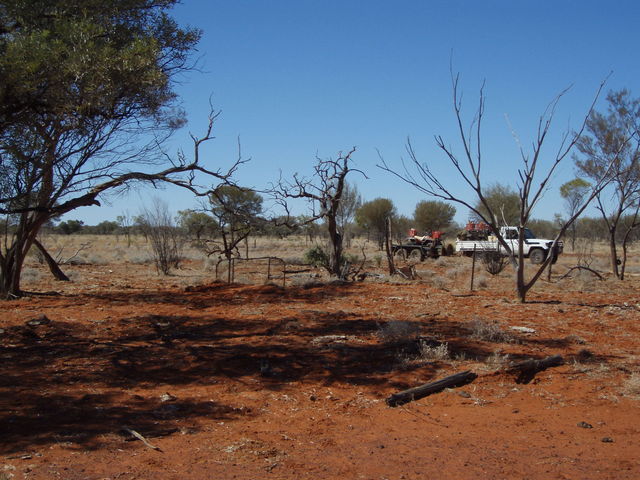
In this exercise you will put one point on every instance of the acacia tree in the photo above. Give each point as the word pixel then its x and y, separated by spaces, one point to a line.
pixel 196 223
pixel 325 191
pixel 611 147
pixel 87 100
pixel 532 182
pixel 349 204
pixel 504 201
pixel 573 193
pixel 430 215
pixel 373 215
pixel 236 212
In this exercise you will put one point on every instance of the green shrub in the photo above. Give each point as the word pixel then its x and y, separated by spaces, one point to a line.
pixel 317 257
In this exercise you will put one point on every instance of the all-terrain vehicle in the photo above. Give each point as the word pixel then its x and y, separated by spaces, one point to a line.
pixel 419 247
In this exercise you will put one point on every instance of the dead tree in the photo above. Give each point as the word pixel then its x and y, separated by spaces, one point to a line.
pixel 532 181
pixel 324 191
pixel 55 269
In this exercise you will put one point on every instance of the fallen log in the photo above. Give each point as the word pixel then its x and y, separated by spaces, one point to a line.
pixel 527 370
pixel 416 393
pixel 51 263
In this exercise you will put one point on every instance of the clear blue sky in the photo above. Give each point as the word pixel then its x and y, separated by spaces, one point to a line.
pixel 298 78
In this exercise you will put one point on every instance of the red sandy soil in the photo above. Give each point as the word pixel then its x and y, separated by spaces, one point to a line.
pixel 252 382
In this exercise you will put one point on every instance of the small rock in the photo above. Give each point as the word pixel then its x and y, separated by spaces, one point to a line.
pixel 607 440
pixel 464 394
pixel 584 425
pixel 523 329
pixel 167 397
pixel 313 398
pixel 40 320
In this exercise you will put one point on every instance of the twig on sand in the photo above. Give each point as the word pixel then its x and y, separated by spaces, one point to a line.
pixel 141 438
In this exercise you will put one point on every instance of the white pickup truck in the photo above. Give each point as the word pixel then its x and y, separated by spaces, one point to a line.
pixel 535 249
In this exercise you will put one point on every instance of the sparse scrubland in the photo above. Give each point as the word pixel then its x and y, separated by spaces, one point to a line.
pixel 255 379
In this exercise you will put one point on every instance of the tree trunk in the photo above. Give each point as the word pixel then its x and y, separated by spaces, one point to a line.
pixel 13 260
pixel 10 273
pixel 521 286
pixel 613 252
pixel 388 248
pixel 53 265
pixel 335 255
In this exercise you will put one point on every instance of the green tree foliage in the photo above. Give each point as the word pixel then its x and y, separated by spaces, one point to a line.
pixel 196 224
pixel 400 225
pixel 349 203
pixel 88 58
pixel 430 215
pixel 237 213
pixel 235 207
pixel 610 148
pixel 574 192
pixel 543 228
pixel 503 201
pixel 107 227
pixel 69 227
pixel 372 216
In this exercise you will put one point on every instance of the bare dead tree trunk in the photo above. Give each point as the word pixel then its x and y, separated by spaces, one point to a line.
pixel 388 248
pixel 533 182
pixel 55 269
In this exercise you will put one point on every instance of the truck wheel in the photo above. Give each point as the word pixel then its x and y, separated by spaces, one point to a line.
pixel 401 253
pixel 415 254
pixel 537 256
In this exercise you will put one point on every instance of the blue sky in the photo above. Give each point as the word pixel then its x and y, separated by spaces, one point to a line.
pixel 298 78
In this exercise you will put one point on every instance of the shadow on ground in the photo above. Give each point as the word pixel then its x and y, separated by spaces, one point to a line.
pixel 68 381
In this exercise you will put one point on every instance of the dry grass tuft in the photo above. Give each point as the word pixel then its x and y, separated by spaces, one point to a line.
pixel 631 386
pixel 490 332
pixel 433 352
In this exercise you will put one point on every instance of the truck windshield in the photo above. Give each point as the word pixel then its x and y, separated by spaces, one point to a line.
pixel 528 234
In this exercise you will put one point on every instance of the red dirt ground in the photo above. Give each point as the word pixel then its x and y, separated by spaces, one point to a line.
pixel 252 382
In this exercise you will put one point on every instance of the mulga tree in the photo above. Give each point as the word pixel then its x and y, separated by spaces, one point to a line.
pixel 610 146
pixel 430 215
pixel 573 193
pixel 236 212
pixel 86 99
pixel 373 216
